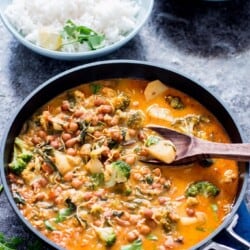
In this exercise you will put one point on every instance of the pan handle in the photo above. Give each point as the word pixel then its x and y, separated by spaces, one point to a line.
pixel 216 246
pixel 230 229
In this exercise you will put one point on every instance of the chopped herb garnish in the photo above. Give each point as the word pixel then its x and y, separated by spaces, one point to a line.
pixel 48 225
pixel 206 162
pixel 152 140
pixel 214 207
pixel 97 179
pixel 95 88
pixel 64 213
pixel 136 245
pixel 18 198
pixel 152 237
pixel 9 244
pixel 82 34
pixel 149 179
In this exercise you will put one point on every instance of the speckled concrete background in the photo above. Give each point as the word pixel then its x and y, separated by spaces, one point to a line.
pixel 208 42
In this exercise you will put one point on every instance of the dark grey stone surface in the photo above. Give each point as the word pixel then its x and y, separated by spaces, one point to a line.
pixel 209 42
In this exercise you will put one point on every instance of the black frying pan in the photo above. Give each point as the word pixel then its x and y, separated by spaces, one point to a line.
pixel 119 69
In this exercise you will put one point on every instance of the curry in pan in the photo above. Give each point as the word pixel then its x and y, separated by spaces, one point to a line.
pixel 77 177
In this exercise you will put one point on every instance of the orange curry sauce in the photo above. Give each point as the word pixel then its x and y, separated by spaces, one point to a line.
pixel 66 190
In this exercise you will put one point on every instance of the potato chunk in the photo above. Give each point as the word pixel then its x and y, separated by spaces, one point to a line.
pixel 154 89
pixel 164 151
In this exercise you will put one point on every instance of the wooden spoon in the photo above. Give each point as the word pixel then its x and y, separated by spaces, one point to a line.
pixel 190 148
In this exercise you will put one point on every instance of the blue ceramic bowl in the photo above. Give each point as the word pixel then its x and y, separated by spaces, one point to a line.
pixel 144 12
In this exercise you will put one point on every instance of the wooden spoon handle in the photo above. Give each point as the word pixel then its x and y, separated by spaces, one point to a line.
pixel 233 151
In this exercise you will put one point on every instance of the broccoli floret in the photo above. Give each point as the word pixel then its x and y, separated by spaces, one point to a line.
pixel 202 187
pixel 119 172
pixel 21 157
pixel 175 102
pixel 152 140
pixel 135 119
pixel 121 102
pixel 107 235
pixel 190 124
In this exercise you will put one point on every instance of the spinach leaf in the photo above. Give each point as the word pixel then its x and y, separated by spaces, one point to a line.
pixel 136 245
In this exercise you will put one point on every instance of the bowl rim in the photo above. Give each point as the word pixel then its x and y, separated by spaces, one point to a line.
pixel 154 66
pixel 71 56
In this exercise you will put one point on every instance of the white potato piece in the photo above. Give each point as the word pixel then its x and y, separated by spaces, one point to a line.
pixel 155 111
pixel 199 217
pixel 49 39
pixel 154 89
pixel 94 166
pixel 65 163
pixel 163 150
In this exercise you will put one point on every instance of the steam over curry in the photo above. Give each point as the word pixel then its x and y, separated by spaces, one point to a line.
pixel 77 177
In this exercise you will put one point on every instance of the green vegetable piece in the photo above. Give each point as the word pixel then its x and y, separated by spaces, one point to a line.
pixel 107 235
pixel 64 213
pixel 97 179
pixel 175 102
pixel 18 198
pixel 152 140
pixel 9 244
pixel 135 119
pixel 21 156
pixel 152 237
pixel 122 101
pixel 120 172
pixel 49 226
pixel 206 163
pixel 80 34
pixel 149 179
pixel 95 88
pixel 214 207
pixel 1 188
pixel 136 245
pixel 202 187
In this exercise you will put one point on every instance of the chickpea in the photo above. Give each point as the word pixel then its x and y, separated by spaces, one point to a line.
pixel 136 176
pixel 134 219
pixel 85 149
pixel 144 229
pixel 148 213
pixel 105 109
pixel 130 159
pixel 132 235
pixel 162 200
pixel 71 142
pixel 66 136
pixel 65 105
pixel 55 144
pixel 68 176
pixel 87 196
pixel 78 113
pixel 76 183
pixel 141 135
pixel 157 171
pixel 73 126
pixel 132 132
pixel 71 151
pixel 40 196
pixel 46 168
pixel 114 121
pixel 190 211
pixel 42 134
pixel 36 140
pixel 99 101
pixel 97 134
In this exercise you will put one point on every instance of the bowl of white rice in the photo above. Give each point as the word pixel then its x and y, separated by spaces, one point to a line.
pixel 75 29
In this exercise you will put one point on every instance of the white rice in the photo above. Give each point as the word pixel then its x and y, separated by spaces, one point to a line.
pixel 113 18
